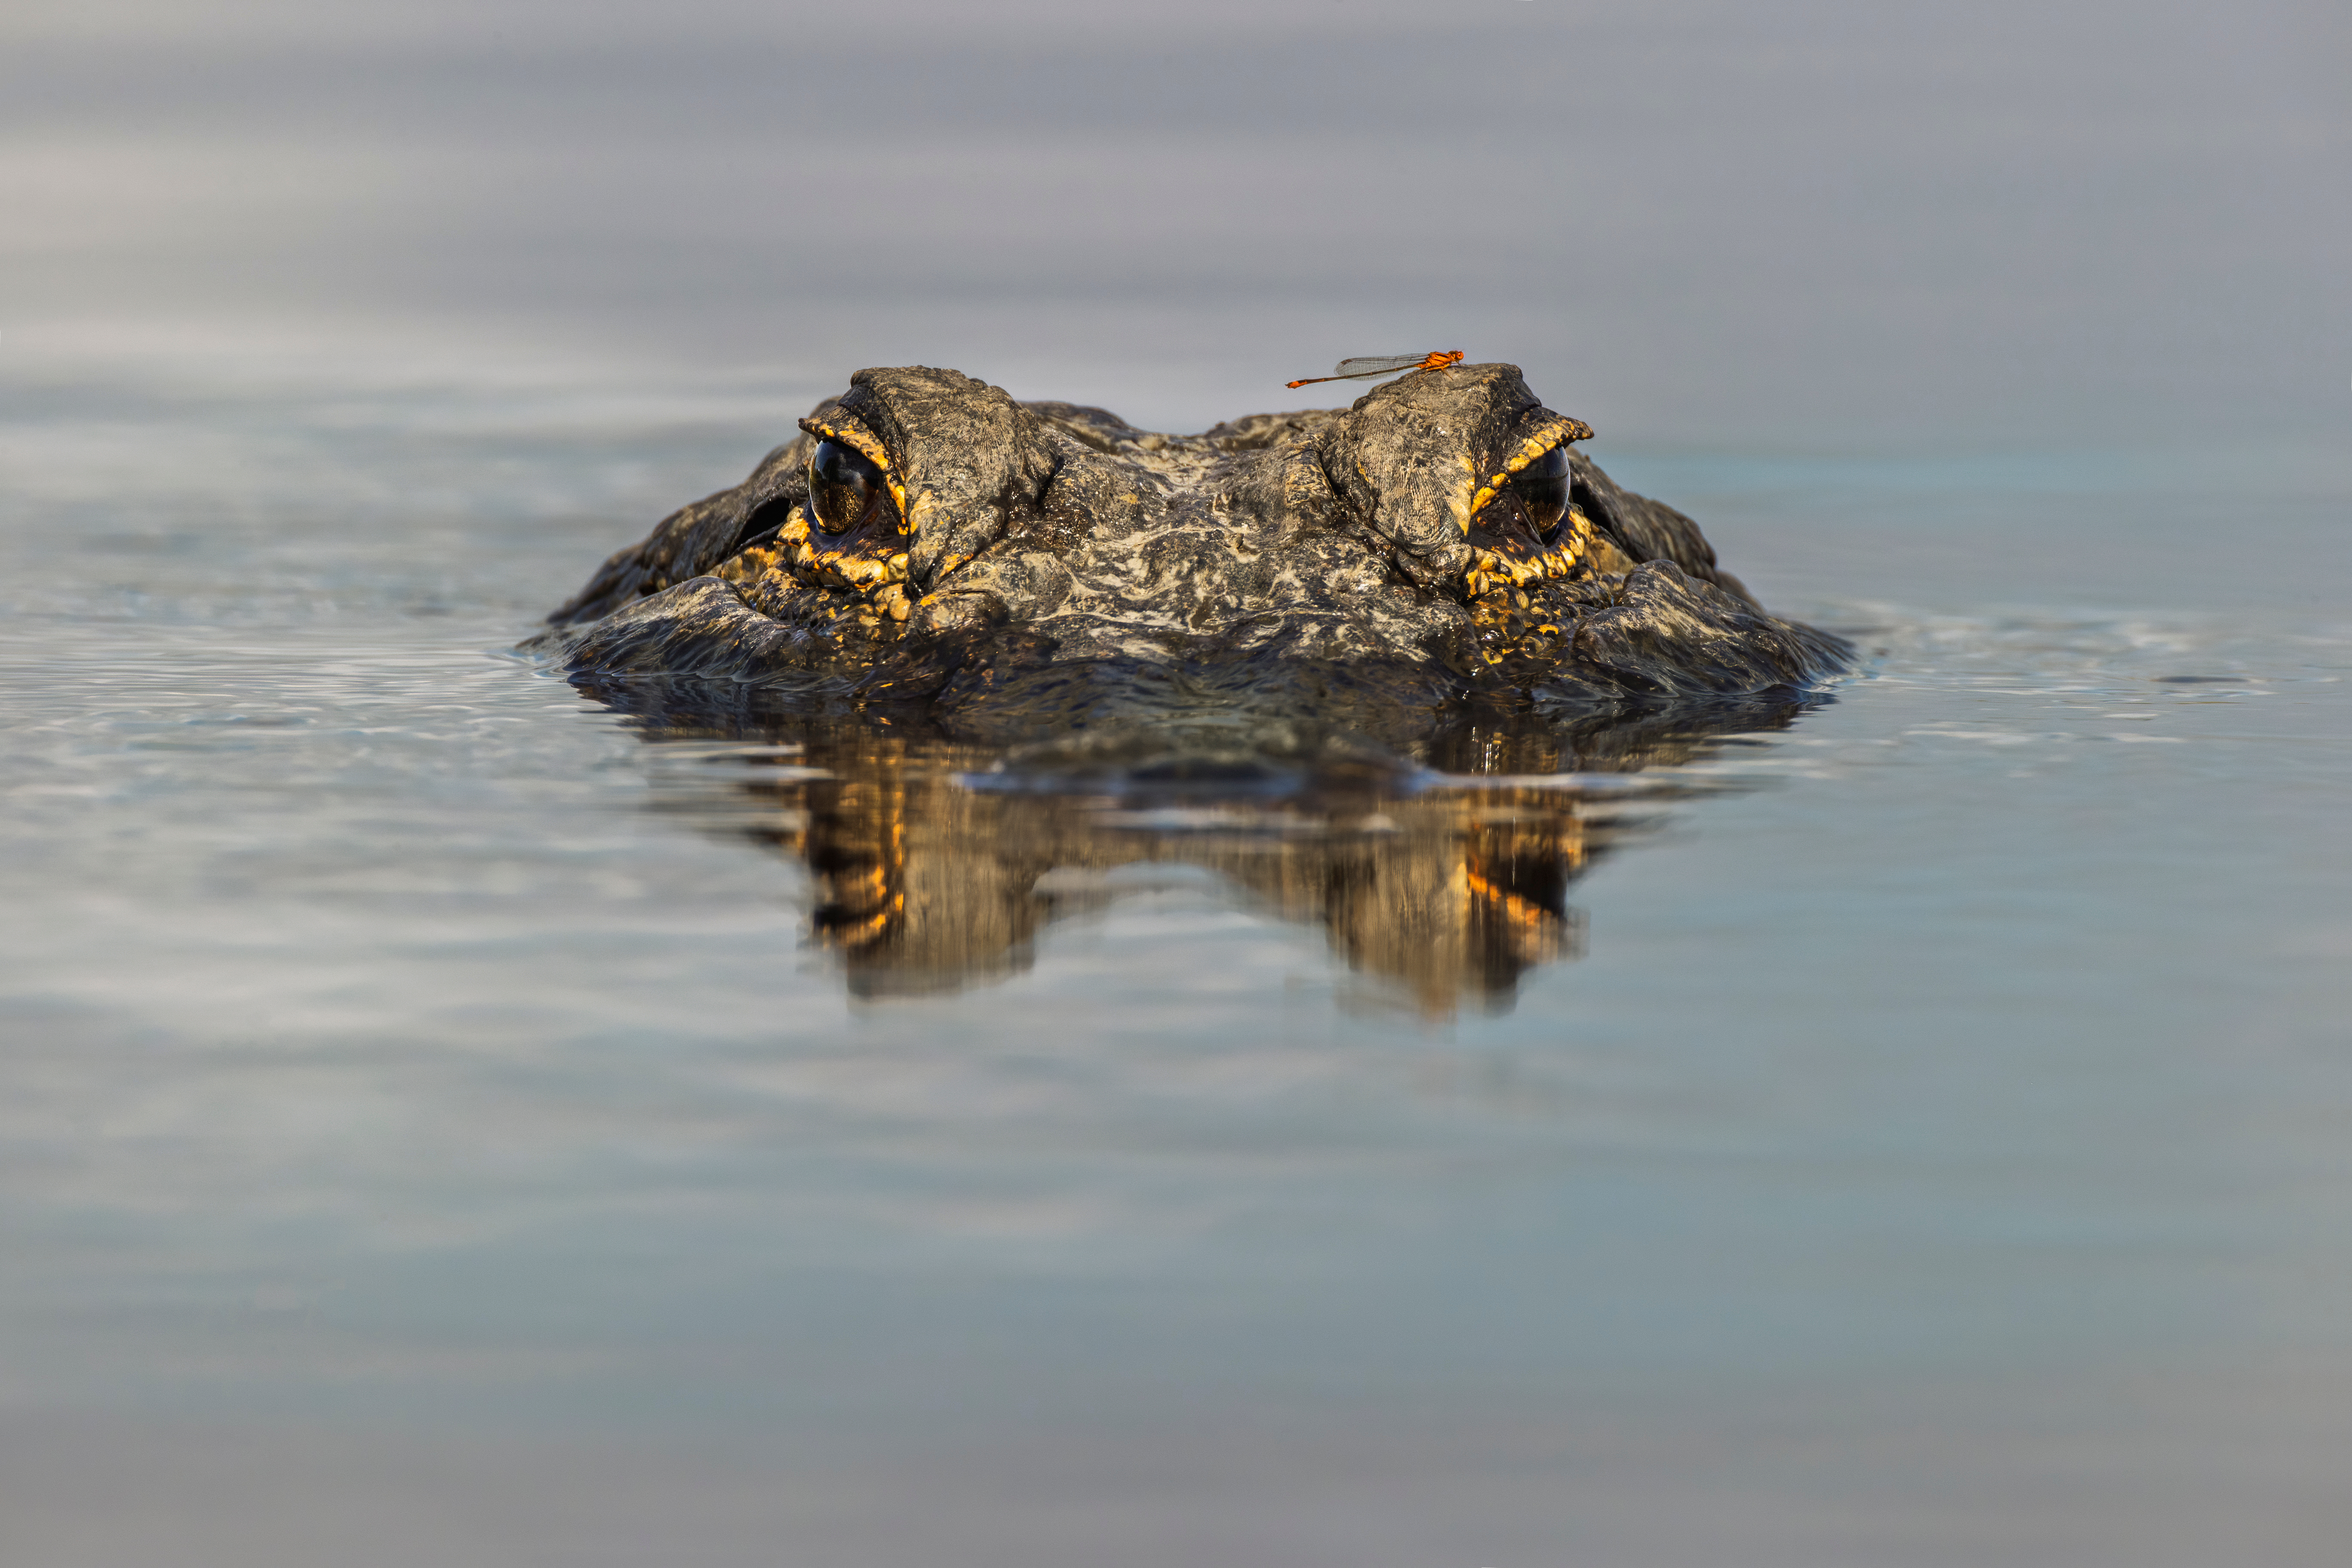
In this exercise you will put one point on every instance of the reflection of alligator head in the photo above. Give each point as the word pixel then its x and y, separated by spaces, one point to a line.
pixel 1438 886
pixel 1023 568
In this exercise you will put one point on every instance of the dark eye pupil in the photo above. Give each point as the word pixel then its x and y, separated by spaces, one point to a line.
pixel 845 488
pixel 1542 488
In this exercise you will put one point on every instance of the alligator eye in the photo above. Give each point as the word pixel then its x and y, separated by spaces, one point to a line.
pixel 845 488
pixel 1543 490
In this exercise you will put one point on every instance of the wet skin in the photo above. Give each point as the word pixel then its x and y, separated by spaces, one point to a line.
pixel 1026 570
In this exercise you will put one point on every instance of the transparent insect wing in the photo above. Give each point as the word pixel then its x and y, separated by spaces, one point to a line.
pixel 1377 364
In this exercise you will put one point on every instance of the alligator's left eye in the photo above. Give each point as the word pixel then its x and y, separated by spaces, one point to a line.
pixel 1543 490
pixel 845 488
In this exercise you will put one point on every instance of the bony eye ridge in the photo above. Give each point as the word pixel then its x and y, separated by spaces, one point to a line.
pixel 846 489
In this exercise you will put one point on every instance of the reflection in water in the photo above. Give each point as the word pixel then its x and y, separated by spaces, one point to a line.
pixel 934 864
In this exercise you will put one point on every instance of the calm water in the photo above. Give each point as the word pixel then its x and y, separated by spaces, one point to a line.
pixel 436 1129
pixel 445 1120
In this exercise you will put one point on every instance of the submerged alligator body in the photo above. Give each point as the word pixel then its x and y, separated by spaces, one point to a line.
pixel 1020 569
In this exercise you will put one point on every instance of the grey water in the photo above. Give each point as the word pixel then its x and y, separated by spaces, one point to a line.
pixel 440 1119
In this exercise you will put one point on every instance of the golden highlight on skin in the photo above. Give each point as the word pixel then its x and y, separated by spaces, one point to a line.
pixel 877 597
pixel 877 581
pixel 1568 557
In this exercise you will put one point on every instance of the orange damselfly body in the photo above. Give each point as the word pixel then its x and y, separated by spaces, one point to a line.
pixel 1382 364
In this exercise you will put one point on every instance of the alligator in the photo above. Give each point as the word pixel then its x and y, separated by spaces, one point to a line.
pixel 1026 570
pixel 1283 651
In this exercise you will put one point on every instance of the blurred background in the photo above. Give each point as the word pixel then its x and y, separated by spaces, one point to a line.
pixel 1693 222
pixel 428 1130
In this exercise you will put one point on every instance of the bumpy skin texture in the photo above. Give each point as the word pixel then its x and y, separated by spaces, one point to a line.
pixel 1034 563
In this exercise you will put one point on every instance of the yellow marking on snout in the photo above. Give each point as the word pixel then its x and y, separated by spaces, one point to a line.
pixel 876 577
pixel 1570 550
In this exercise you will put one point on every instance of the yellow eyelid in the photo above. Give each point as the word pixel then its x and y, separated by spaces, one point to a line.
pixel 1557 431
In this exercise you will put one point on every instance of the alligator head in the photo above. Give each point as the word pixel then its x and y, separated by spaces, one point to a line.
pixel 927 537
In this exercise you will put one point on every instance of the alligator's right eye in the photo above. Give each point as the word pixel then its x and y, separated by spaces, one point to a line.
pixel 844 487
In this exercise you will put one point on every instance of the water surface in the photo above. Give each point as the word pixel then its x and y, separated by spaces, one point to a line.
pixel 1903 1129
pixel 445 1116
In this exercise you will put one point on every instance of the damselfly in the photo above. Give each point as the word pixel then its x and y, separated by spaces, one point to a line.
pixel 1384 365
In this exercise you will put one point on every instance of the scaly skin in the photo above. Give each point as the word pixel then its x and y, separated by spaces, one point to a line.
pixel 1377 563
